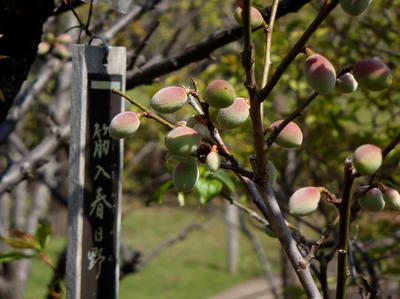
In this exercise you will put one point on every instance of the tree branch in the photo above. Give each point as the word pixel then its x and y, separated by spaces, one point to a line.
pixel 203 49
pixel 39 155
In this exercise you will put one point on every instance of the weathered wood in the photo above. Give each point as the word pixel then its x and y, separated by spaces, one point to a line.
pixel 94 178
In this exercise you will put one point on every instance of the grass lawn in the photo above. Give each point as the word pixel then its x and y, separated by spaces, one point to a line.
pixel 193 268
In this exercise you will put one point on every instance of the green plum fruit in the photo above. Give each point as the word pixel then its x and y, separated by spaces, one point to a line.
pixel 213 161
pixel 367 159
pixel 372 74
pixel 169 99
pixel 346 83
pixel 220 94
pixel 355 7
pixel 124 124
pixel 185 176
pixel 182 141
pixel 64 39
pixel 290 136
pixel 392 198
pixel 203 131
pixel 371 200
pixel 256 18
pixel 61 51
pixel 43 48
pixel 234 115
pixel 304 201
pixel 319 73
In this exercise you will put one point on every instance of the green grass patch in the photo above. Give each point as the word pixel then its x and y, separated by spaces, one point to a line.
pixel 192 268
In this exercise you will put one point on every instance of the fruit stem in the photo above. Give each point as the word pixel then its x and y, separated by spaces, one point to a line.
pixel 149 114
pixel 344 227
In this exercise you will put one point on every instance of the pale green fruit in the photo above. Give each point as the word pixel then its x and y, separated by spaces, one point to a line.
pixel 372 200
pixel 372 74
pixel 169 99
pixel 234 115
pixel 185 176
pixel 346 83
pixel 202 130
pixel 367 159
pixel 319 73
pixel 291 135
pixel 124 124
pixel 355 7
pixel 256 18
pixel 213 161
pixel 182 141
pixel 304 201
pixel 392 198
pixel 220 94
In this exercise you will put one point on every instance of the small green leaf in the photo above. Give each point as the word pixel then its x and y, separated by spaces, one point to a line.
pixel 225 179
pixel 159 193
pixel 208 189
pixel 42 233
pixel 13 255
pixel 18 243
pixel 181 199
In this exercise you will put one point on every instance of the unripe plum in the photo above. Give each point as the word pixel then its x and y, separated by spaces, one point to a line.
pixel 202 130
pixel 192 121
pixel 290 136
pixel 182 141
pixel 367 159
pixel 213 161
pixel 124 124
pixel 60 51
pixel 392 198
pixel 304 201
pixel 372 74
pixel 319 73
pixel 346 83
pixel 185 176
pixel 220 94
pixel 64 39
pixel 234 115
pixel 256 18
pixel 169 99
pixel 372 200
pixel 43 48
pixel 355 7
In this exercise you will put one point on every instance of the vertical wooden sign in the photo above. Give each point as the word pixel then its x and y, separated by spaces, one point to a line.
pixel 94 204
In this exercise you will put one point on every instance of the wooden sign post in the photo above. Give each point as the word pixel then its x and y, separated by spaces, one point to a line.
pixel 94 204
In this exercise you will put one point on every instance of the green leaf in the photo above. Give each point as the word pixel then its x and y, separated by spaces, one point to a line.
pixel 225 179
pixel 42 234
pixel 208 189
pixel 13 255
pixel 18 243
pixel 181 199
pixel 159 193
